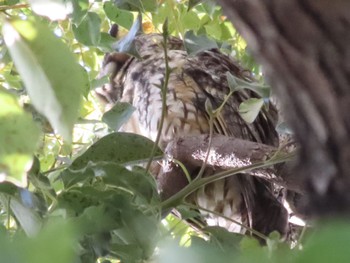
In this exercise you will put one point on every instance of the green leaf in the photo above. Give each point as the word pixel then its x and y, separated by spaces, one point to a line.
pixel 80 9
pixel 29 220
pixel 118 115
pixel 99 82
pixel 121 148
pixel 8 188
pixel 137 5
pixel 210 6
pixel 192 3
pixel 53 78
pixel 141 184
pixel 106 42
pixel 214 30
pixel 10 2
pixel 191 21
pixel 56 243
pixel 329 243
pixel 18 139
pixel 195 44
pixel 53 9
pixel 223 238
pixel 262 90
pixel 121 17
pixel 250 109
pixel 88 31
pixel 232 83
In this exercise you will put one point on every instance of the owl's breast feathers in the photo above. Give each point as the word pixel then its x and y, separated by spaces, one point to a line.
pixel 193 80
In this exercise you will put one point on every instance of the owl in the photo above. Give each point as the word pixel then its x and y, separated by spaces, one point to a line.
pixel 194 81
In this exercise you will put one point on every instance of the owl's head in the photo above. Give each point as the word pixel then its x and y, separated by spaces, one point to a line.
pixel 134 46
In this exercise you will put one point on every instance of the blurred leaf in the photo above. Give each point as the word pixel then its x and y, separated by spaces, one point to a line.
pixel 139 229
pixel 38 54
pixel 214 30
pixel 262 90
pixel 192 3
pixel 221 237
pixel 56 243
pixel 53 9
pixel 106 42
pixel 27 217
pixel 191 21
pixel 187 213
pixel 88 31
pixel 200 251
pixel 273 241
pixel 210 6
pixel 195 44
pixel 10 2
pixel 248 243
pixel 329 243
pixel 121 148
pixel 118 115
pixel 8 188
pixel 137 5
pixel 18 139
pixel 121 17
pixel 250 109
pixel 99 82
pixel 80 9
pixel 232 83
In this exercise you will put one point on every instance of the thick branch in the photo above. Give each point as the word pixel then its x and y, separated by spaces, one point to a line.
pixel 225 153
pixel 303 46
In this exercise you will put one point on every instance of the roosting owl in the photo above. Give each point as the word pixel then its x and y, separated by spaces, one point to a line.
pixel 193 81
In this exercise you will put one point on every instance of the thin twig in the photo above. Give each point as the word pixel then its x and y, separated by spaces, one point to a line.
pixel 164 90
pixel 196 184
pixel 257 233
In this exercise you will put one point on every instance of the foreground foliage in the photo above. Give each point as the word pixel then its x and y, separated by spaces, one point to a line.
pixel 67 195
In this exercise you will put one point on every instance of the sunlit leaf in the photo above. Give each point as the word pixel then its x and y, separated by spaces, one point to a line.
pixel 53 79
pixel 191 21
pixel 250 109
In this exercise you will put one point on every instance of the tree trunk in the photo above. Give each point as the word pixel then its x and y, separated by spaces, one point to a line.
pixel 304 47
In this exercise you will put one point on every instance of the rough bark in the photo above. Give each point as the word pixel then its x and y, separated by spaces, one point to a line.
pixel 230 153
pixel 304 47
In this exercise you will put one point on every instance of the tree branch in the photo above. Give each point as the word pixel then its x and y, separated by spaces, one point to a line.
pixel 225 153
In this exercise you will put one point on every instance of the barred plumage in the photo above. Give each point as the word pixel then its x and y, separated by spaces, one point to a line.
pixel 193 80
